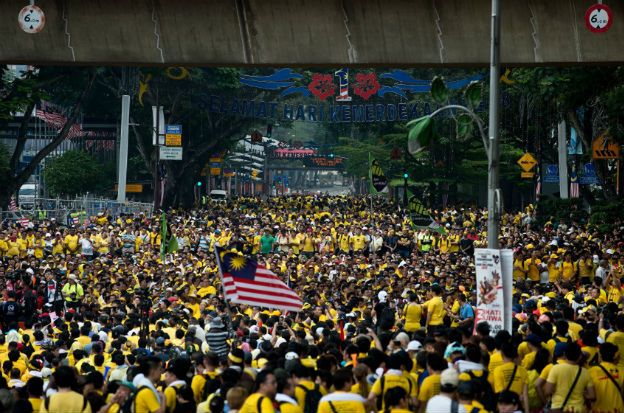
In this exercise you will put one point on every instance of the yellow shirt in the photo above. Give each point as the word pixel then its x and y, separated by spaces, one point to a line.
pixel 435 307
pixel 562 376
pixel 617 338
pixel 568 269
pixel 430 387
pixel 503 376
pixel 533 268
pixel 66 402
pixel 342 402
pixel 413 314
pixel 146 401
pixel 251 404
pixel 607 395
pixel 170 396
pixel 359 242
pixel 519 270
pixel 71 241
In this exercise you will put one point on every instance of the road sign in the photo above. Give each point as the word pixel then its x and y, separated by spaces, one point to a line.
pixel 527 162
pixel 588 175
pixel 603 147
pixel 170 153
pixel 173 140
pixel 527 174
pixel 598 18
pixel 173 135
pixel 31 19
pixel 215 171
pixel 551 174
pixel 132 188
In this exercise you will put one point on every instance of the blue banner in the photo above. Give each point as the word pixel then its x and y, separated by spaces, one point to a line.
pixel 588 175
pixel 551 173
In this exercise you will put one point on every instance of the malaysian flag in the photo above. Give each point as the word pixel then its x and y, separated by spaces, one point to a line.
pixel 574 183
pixel 247 282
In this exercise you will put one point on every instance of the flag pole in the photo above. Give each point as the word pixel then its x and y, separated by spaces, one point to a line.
pixel 370 184
pixel 222 282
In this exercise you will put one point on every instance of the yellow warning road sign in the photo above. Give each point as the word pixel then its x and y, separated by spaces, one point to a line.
pixel 527 174
pixel 604 147
pixel 527 162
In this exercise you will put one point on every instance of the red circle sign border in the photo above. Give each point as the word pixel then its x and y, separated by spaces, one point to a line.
pixel 590 10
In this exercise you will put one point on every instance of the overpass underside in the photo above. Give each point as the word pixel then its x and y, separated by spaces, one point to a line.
pixel 307 32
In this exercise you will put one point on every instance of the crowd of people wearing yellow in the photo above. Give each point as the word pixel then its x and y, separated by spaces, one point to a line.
pixel 387 324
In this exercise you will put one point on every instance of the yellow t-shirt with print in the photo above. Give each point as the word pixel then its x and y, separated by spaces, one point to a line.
pixel 503 375
pixel 430 387
pixel 562 376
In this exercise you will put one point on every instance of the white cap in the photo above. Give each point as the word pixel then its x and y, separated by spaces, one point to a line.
pixel 291 355
pixel 414 345
pixel 382 295
pixel 449 377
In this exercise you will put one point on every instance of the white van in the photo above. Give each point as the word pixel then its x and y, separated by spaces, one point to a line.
pixel 218 195
pixel 26 195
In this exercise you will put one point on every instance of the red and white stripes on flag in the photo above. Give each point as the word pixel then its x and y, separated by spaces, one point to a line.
pixel 58 121
pixel 12 204
pixel 265 290
pixel 575 190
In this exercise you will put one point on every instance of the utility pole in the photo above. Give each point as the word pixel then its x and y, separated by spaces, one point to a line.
pixel 122 172
pixel 494 193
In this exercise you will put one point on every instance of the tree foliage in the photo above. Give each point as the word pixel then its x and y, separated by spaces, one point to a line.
pixel 76 173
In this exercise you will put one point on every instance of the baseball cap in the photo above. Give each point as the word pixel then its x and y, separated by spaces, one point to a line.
pixel 449 377
pixel 414 345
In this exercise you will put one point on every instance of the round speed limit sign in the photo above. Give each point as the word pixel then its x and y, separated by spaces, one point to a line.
pixel 31 19
pixel 598 18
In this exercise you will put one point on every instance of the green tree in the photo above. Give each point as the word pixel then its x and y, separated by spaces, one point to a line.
pixel 76 173
pixel 68 86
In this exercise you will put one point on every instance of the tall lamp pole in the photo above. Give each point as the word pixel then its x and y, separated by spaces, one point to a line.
pixel 494 192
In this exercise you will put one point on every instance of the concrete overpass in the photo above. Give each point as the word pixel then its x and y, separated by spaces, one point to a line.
pixel 307 32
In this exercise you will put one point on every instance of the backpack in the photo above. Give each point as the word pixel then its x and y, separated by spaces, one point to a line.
pixel 485 393
pixel 312 398
pixel 382 383
pixel 211 386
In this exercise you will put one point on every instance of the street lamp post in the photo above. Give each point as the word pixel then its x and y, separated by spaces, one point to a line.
pixel 421 132
pixel 494 193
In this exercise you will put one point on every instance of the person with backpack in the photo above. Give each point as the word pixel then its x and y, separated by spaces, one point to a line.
pixel 511 376
pixel 569 384
pixel 472 370
pixel 286 393
pixel 174 378
pixel 262 401
pixel 147 399
pixel 608 381
pixel 445 400
pixel 65 399
pixel 307 393
pixel 468 397
pixel 204 382
pixel 342 400
pixel 393 377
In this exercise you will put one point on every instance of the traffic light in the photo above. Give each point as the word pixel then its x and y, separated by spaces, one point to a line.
pixel 405 175
pixel 199 183
pixel 331 155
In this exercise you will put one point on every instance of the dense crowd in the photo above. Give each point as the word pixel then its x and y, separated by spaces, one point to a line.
pixel 95 319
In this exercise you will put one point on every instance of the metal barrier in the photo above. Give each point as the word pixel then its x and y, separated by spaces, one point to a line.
pixel 66 210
